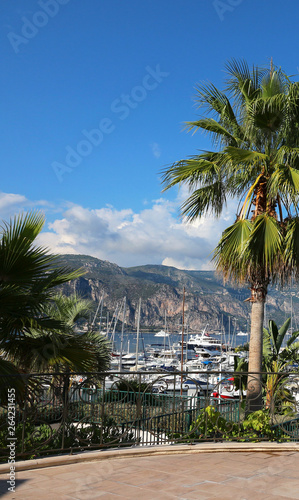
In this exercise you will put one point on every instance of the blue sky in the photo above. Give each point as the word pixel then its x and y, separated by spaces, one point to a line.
pixel 94 95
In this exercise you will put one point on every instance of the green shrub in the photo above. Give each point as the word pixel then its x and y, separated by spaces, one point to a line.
pixel 210 425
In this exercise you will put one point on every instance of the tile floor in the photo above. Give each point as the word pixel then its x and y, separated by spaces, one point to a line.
pixel 230 476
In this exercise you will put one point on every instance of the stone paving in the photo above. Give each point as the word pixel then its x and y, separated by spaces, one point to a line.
pixel 242 475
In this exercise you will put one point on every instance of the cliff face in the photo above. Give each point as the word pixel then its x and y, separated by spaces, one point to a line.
pixel 207 299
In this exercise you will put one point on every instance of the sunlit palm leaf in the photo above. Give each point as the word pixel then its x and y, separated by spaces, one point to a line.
pixel 193 172
pixel 208 96
pixel 69 308
pixel 244 83
pixel 264 246
pixel 244 157
pixel 272 84
pixel 228 254
pixel 285 180
pixel 219 132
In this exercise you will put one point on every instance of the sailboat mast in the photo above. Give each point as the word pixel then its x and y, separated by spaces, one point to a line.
pixel 122 336
pixel 138 328
pixel 115 315
pixel 165 334
pixel 182 353
pixel 101 313
pixel 187 333
pixel 97 310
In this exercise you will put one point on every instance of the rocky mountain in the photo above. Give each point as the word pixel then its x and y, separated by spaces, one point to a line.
pixel 207 298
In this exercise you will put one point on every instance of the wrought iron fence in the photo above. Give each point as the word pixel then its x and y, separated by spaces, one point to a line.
pixel 42 414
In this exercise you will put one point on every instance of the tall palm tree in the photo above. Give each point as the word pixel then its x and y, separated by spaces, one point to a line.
pixel 255 130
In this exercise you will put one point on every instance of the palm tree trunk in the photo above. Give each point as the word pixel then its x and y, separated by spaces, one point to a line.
pixel 254 399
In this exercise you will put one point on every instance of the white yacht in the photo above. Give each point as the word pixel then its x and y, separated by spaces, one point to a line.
pixel 162 333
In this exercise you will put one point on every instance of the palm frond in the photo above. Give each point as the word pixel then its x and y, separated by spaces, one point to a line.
pixel 243 83
pixel 69 309
pixel 264 247
pixel 220 133
pixel 284 181
pixel 291 245
pixel 267 114
pixel 197 170
pixel 273 83
pixel 23 226
pixel 244 157
pixel 209 199
pixel 228 255
pixel 208 96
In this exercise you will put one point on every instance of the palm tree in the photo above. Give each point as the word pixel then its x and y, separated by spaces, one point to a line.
pixel 28 277
pixel 62 349
pixel 255 130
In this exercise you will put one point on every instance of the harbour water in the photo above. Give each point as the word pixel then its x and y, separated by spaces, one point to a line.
pixel 129 340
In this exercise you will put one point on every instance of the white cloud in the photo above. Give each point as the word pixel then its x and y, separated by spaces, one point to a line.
pixel 11 204
pixel 8 200
pixel 154 235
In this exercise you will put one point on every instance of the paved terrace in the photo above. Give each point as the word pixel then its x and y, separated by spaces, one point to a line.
pixel 204 471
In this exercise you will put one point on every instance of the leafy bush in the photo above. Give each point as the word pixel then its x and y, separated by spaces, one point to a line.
pixel 210 425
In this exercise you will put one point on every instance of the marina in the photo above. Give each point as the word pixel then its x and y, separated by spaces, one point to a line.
pixel 202 353
pixel 148 338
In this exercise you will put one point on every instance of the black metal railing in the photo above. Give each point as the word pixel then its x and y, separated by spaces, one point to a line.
pixel 42 414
